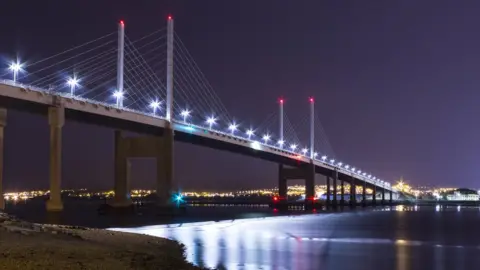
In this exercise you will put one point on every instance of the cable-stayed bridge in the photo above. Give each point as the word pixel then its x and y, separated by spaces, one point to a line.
pixel 153 86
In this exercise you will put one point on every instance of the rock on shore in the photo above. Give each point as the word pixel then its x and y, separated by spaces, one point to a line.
pixel 26 246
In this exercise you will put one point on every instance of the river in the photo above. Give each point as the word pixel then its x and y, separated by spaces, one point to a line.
pixel 398 238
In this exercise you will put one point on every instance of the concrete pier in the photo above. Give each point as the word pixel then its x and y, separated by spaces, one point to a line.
pixel 334 183
pixel 364 194
pixel 165 169
pixel 3 123
pixel 329 193
pixel 374 195
pixel 158 147
pixel 383 196
pixel 306 173
pixel 56 119
pixel 342 192
pixel 121 173
pixel 282 183
pixel 353 192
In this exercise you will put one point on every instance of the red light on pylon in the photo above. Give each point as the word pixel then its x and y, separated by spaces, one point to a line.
pixel 169 17
pixel 121 22
pixel 281 101
pixel 311 99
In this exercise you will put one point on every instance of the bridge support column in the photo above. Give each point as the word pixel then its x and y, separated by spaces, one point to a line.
pixel 282 183
pixel 160 148
pixel 165 169
pixel 364 194
pixel 374 195
pixel 306 173
pixel 310 187
pixel 353 193
pixel 3 123
pixel 391 197
pixel 342 192
pixel 122 173
pixel 56 118
pixel 334 183
pixel 329 193
pixel 383 196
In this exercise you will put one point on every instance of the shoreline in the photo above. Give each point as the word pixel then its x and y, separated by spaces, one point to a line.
pixel 25 245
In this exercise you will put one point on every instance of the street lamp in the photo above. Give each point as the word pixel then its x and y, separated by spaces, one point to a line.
pixel 15 67
pixel 72 82
pixel 155 105
pixel 293 147
pixel 211 121
pixel 185 114
pixel 281 143
pixel 250 133
pixel 233 126
pixel 119 96
pixel 304 151
pixel 324 158
pixel 266 138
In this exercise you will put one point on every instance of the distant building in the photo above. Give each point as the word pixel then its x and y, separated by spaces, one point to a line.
pixel 463 194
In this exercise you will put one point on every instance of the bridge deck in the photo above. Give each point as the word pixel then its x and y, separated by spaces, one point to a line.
pixel 36 100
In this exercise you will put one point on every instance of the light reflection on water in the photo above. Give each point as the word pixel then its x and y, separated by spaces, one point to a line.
pixel 357 240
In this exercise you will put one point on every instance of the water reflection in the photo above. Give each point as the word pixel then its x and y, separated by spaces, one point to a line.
pixel 401 240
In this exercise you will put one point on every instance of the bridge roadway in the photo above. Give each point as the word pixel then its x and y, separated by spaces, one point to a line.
pixel 36 100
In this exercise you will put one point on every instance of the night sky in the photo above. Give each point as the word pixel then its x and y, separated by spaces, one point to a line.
pixel 396 84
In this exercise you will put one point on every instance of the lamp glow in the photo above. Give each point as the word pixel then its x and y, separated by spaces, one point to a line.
pixel 155 105
pixel 233 127
pixel 256 145
pixel 281 143
pixel 119 96
pixel 324 158
pixel 185 114
pixel 250 133
pixel 304 151
pixel 211 121
pixel 72 82
pixel 15 68
pixel 293 147
pixel 266 138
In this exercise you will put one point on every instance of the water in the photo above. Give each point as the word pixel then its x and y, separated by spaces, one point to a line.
pixel 388 238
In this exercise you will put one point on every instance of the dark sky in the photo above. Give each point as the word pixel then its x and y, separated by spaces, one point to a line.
pixel 396 84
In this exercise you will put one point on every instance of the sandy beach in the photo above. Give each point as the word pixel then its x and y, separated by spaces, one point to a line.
pixel 25 246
